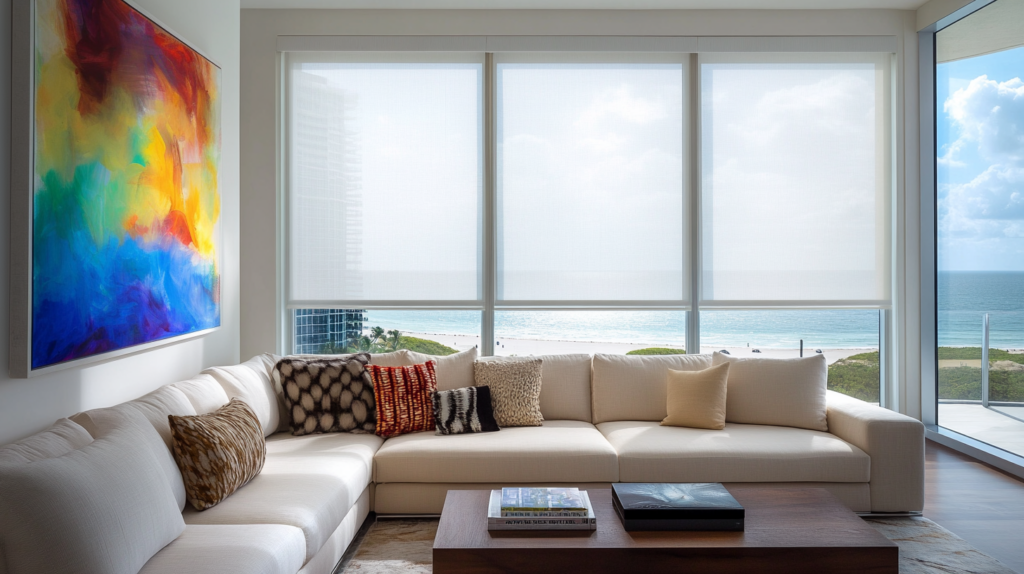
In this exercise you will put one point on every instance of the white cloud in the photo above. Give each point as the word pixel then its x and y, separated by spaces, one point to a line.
pixel 620 103
pixel 989 114
pixel 997 193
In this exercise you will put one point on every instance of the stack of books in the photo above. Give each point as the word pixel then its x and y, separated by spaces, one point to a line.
pixel 690 506
pixel 540 509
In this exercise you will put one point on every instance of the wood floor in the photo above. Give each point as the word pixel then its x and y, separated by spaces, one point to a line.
pixel 976 502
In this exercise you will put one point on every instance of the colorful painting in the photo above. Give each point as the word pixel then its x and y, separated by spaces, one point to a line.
pixel 126 202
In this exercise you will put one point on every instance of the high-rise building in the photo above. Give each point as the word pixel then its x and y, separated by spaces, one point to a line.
pixel 316 328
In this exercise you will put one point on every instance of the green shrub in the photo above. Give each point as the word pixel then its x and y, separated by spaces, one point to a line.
pixel 964 384
pixel 657 351
pixel 856 376
pixel 974 353
pixel 425 346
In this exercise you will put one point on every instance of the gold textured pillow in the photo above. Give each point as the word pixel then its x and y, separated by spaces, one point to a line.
pixel 696 399
pixel 218 452
pixel 515 390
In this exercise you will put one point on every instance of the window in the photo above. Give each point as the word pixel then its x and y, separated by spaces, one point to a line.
pixel 979 97
pixel 385 180
pixel 795 190
pixel 593 202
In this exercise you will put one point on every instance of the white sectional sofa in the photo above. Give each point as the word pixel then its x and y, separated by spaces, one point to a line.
pixel 601 426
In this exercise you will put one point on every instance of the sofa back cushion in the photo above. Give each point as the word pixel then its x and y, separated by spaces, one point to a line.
pixel 204 392
pixel 251 382
pixel 780 392
pixel 565 386
pixel 63 437
pixel 634 388
pixel 453 371
pixel 105 507
pixel 153 408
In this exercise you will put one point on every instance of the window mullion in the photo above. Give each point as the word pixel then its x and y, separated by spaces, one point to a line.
pixel 490 205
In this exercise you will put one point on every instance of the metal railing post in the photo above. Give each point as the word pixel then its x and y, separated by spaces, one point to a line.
pixel 984 361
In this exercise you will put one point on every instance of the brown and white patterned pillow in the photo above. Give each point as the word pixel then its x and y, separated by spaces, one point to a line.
pixel 327 394
pixel 218 452
pixel 515 390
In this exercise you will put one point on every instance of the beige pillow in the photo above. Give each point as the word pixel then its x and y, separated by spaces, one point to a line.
pixel 515 390
pixel 780 392
pixel 218 452
pixel 696 399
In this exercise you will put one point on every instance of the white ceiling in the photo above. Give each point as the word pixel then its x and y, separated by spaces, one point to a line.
pixel 591 4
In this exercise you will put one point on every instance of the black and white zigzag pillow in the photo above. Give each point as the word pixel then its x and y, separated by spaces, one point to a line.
pixel 465 410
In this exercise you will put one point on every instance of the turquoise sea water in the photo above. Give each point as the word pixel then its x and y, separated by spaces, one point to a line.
pixel 963 298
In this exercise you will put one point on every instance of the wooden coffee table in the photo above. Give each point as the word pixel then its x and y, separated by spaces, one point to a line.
pixel 787 531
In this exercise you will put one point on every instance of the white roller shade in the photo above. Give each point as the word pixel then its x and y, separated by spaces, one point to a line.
pixel 996 27
pixel 795 201
pixel 384 178
pixel 591 179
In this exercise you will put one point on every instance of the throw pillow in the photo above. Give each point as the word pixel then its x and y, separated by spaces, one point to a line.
pixel 404 403
pixel 465 410
pixel 780 392
pixel 218 452
pixel 696 399
pixel 515 390
pixel 327 394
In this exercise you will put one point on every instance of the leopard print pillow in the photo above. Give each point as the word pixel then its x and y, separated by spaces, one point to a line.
pixel 219 452
pixel 327 394
pixel 515 390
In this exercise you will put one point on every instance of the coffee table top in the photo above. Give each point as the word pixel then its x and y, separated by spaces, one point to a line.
pixel 775 518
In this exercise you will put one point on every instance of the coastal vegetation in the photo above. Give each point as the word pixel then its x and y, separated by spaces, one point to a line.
pixel 657 351
pixel 856 376
pixel 378 340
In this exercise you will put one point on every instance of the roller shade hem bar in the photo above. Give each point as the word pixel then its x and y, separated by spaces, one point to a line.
pixel 759 305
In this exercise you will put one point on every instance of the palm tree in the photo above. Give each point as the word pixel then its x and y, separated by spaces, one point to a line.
pixel 393 340
pixel 376 333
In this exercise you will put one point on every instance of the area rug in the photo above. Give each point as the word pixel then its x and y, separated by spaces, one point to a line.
pixel 403 546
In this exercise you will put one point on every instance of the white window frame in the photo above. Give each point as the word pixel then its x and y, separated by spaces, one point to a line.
pixel 576 49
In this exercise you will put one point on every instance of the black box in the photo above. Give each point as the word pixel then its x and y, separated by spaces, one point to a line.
pixel 696 506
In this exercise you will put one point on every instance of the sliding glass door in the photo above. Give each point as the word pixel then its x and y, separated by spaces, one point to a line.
pixel 980 225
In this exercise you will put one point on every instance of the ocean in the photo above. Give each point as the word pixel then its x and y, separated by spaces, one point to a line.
pixel 964 297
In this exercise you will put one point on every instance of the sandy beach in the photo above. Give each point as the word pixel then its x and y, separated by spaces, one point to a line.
pixel 523 347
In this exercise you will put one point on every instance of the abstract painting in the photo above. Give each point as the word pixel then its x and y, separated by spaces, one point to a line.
pixel 126 205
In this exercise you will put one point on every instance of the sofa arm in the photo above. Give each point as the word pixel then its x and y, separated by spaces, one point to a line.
pixel 895 444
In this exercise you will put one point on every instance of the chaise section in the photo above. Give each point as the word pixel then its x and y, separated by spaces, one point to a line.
pixel 559 451
pixel 895 444
pixel 649 452
pixel 234 549
pixel 309 482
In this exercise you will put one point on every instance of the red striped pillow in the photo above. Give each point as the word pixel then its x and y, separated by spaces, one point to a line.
pixel 404 398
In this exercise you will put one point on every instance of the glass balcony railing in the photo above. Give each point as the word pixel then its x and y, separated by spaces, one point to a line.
pixel 981 389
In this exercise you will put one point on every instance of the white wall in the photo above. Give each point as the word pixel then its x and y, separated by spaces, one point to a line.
pixel 30 405
pixel 260 138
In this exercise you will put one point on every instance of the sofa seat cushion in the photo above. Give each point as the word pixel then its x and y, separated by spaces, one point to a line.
pixel 558 451
pixel 309 482
pixel 649 452
pixel 231 549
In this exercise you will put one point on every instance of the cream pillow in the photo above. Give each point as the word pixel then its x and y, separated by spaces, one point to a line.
pixel 780 392
pixel 515 390
pixel 696 399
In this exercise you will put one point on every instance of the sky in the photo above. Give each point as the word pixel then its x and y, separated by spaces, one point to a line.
pixel 980 141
